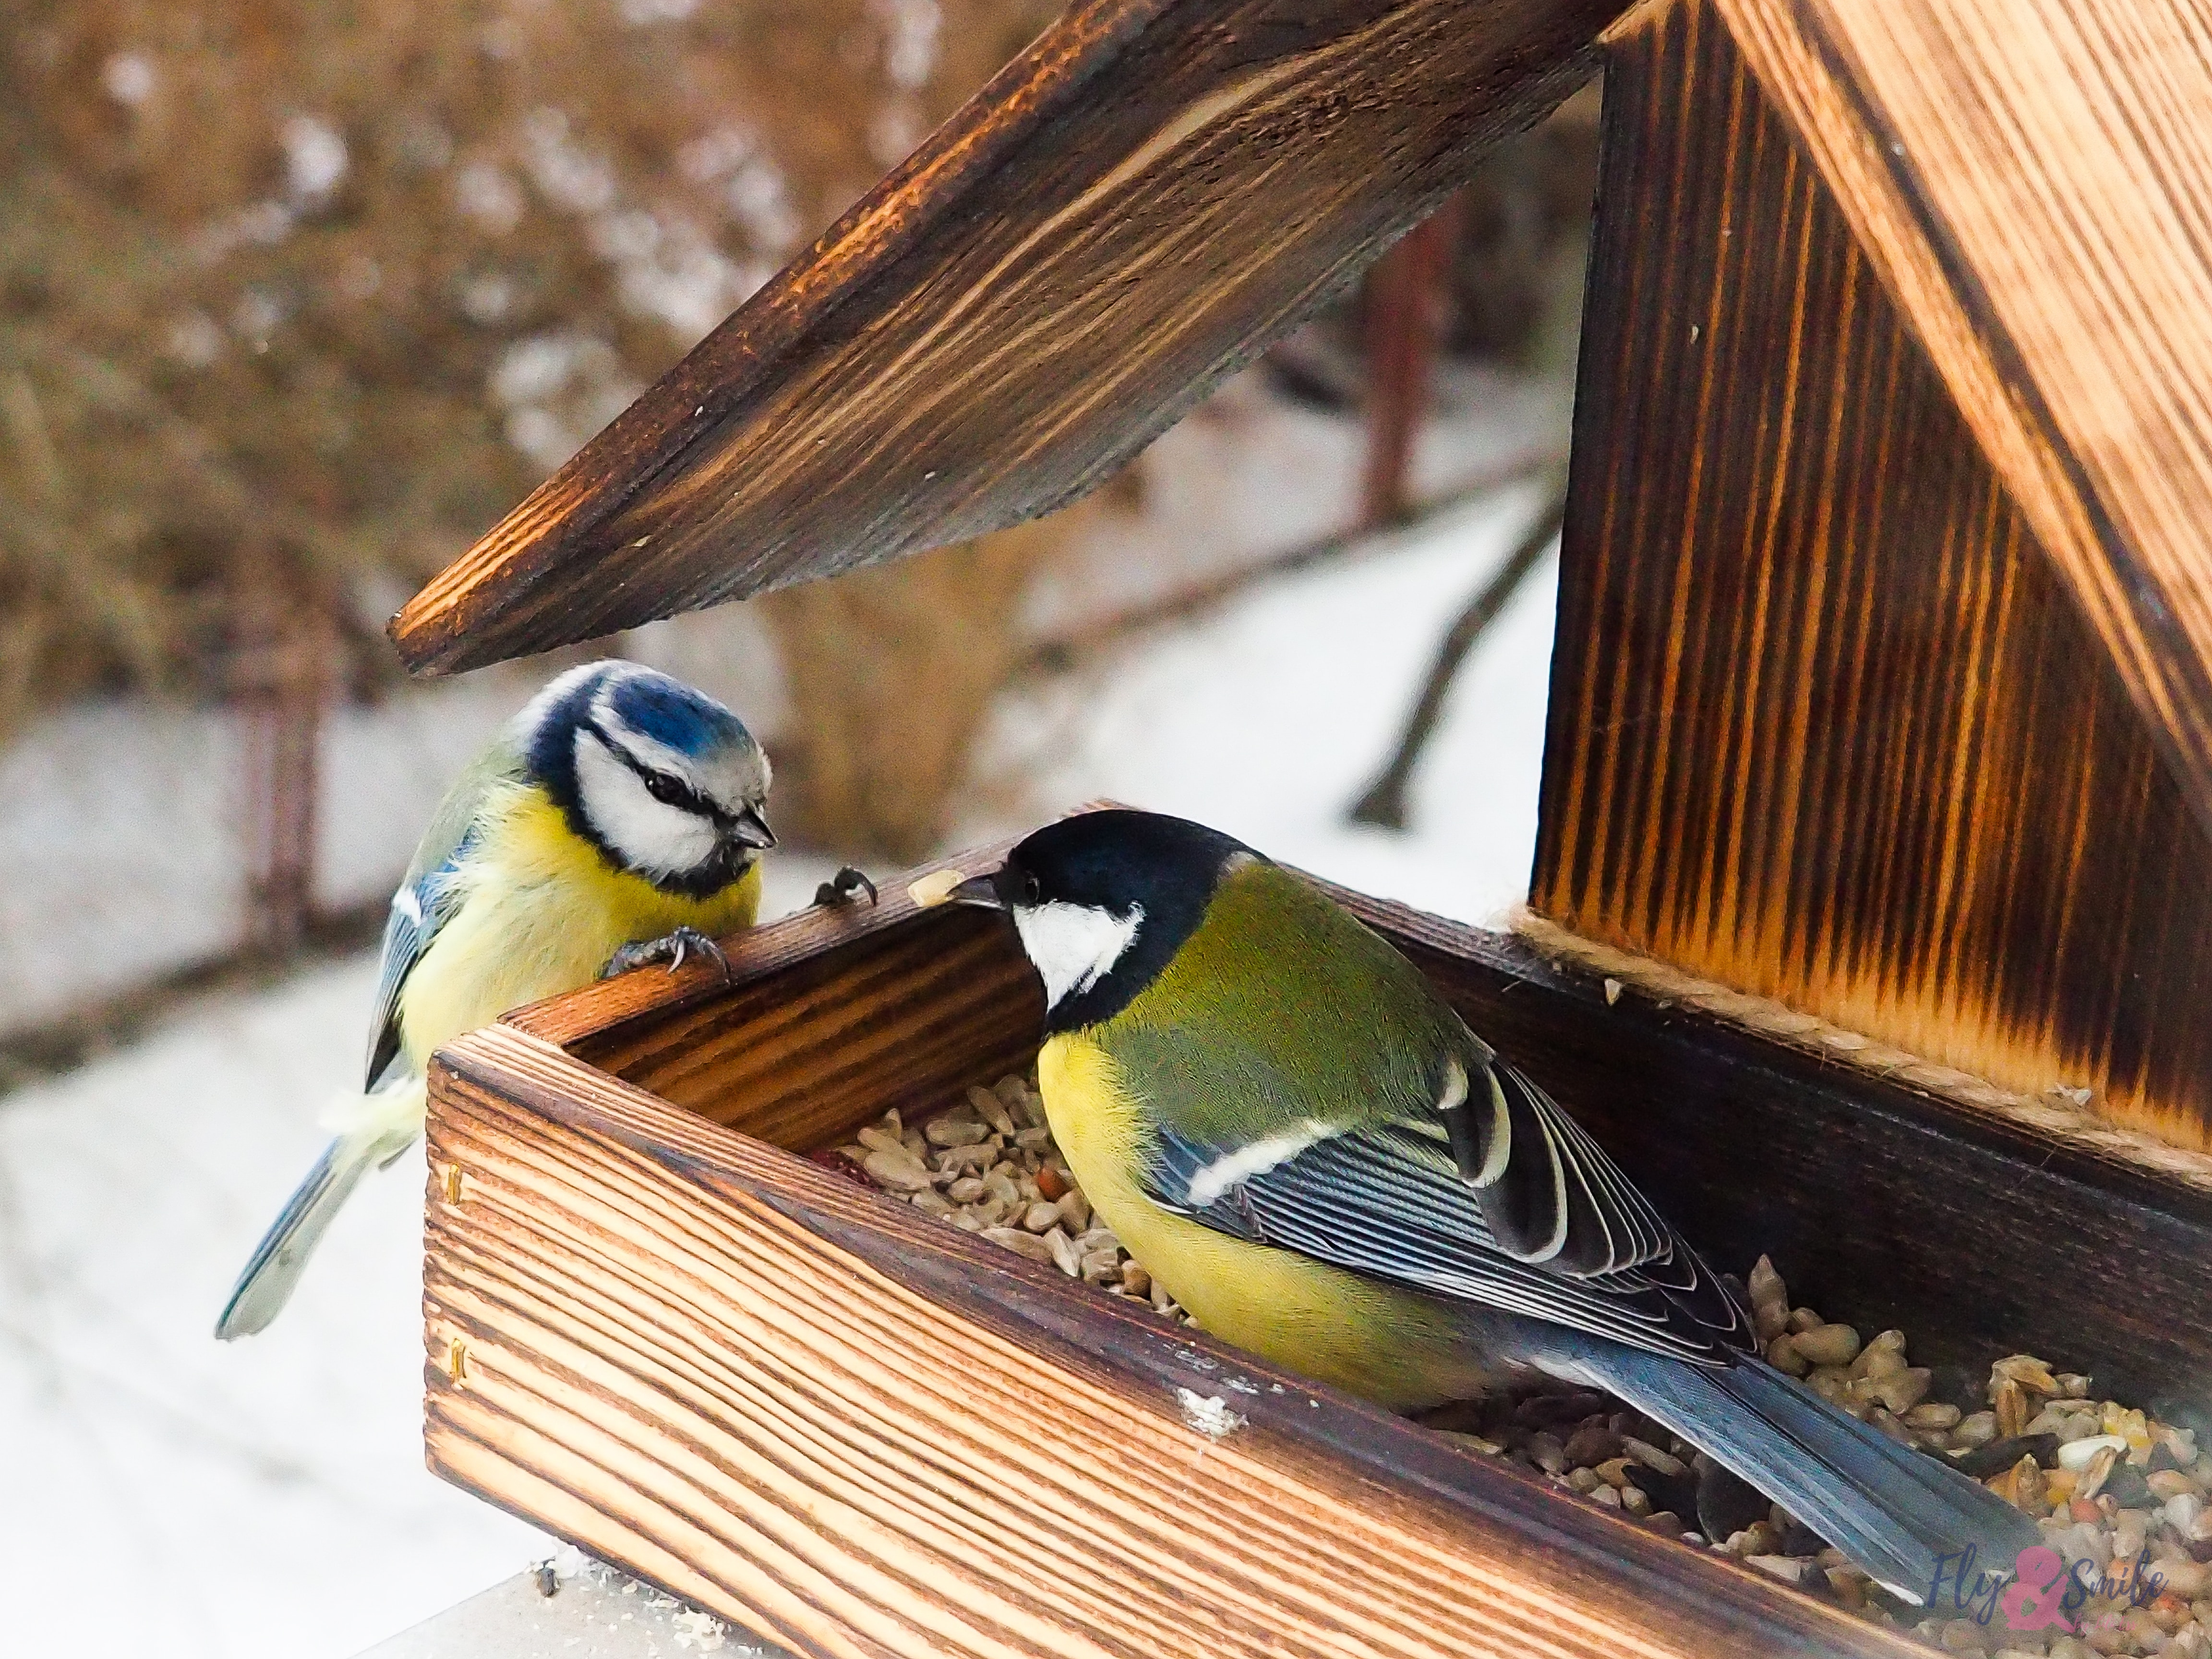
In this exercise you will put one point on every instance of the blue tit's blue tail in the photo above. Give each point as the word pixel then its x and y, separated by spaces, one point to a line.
pixel 371 1131
pixel 1893 1509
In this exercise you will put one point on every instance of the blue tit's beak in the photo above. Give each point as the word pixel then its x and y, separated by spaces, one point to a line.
pixel 752 829
pixel 982 891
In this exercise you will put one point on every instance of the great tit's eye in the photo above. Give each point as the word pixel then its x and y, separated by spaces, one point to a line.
pixel 662 788
pixel 1032 889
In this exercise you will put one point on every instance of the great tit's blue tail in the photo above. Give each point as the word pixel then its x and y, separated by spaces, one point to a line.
pixel 1893 1509
pixel 371 1131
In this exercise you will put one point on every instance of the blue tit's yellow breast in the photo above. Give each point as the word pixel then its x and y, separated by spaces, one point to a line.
pixel 541 913
pixel 1396 1347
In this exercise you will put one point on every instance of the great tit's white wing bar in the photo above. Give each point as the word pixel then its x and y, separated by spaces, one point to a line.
pixel 1560 1198
pixel 1390 1200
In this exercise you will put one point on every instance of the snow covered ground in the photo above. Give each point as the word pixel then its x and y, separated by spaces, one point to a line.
pixel 165 1492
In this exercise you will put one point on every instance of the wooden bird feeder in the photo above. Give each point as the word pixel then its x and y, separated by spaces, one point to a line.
pixel 1880 772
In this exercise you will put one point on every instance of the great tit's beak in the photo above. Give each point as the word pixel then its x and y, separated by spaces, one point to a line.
pixel 945 887
pixel 982 892
pixel 752 829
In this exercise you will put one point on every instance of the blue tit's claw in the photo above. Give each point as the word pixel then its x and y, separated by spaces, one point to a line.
pixel 845 888
pixel 671 948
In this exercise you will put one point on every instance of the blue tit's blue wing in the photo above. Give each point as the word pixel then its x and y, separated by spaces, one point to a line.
pixel 418 910
pixel 432 888
pixel 1392 1199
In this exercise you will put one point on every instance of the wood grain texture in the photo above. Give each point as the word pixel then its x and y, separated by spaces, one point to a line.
pixel 2032 180
pixel 862 1433
pixel 1149 194
pixel 1826 724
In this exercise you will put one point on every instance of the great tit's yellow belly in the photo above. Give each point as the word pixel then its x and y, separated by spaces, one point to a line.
pixel 1395 1347
pixel 542 915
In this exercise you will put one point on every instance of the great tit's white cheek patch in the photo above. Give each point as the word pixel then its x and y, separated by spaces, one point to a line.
pixel 1073 946
pixel 646 834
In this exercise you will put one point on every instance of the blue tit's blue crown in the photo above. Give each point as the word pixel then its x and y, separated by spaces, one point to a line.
pixel 671 713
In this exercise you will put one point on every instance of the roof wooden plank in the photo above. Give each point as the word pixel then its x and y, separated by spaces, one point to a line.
pixel 1133 208
pixel 2032 179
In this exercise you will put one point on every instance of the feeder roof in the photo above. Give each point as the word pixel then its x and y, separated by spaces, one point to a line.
pixel 1158 188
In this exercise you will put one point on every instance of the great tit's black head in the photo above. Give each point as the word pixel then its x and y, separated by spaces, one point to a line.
pixel 664 780
pixel 1103 901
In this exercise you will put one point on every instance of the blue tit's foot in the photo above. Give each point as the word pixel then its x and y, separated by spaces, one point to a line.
pixel 671 948
pixel 845 888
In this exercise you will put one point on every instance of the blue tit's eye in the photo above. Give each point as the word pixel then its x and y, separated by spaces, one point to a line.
pixel 662 788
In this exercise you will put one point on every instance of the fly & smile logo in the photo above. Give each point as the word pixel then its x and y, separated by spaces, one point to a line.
pixel 2040 1592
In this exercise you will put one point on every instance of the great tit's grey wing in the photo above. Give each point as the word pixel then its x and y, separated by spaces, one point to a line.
pixel 429 893
pixel 1391 1199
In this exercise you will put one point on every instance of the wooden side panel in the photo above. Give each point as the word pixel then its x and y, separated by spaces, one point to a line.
pixel 1861 1191
pixel 1825 724
pixel 868 1436
pixel 2034 179
pixel 1143 199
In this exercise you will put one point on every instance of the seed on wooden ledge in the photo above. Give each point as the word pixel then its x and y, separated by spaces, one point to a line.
pixel 898 1173
pixel 1063 1252
pixel 1884 1352
pixel 891 1122
pixel 2091 1478
pixel 1032 1245
pixel 1797 1570
pixel 2079 1455
pixel 1933 1414
pixel 966 1190
pixel 1633 1499
pixel 1782 1354
pixel 2011 1402
pixel 944 1131
pixel 2170 1483
pixel 1135 1280
pixel 1592 1444
pixel 1052 1182
pixel 1099 1267
pixel 933 1203
pixel 968 1222
pixel 917 1146
pixel 1643 1452
pixel 1548 1453
pixel 1583 1481
pixel 2025 1369
pixel 1900 1391
pixel 1613 1471
pixel 1001 1188
pixel 1609 1497
pixel 1074 1209
pixel 1804 1319
pixel 1978 1429
pixel 977 1156
pixel 1770 1300
pixel 887 1141
pixel 992 1110
pixel 1039 1217
pixel 1828 1344
pixel 1665 1522
pixel 2073 1385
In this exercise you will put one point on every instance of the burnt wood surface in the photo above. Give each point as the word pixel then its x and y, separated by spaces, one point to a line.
pixel 1826 724
pixel 1150 194
pixel 2033 180
pixel 861 1432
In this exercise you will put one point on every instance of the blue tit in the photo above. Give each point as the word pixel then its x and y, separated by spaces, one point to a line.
pixel 617 819
pixel 1306 1146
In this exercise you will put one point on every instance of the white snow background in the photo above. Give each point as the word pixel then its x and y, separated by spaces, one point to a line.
pixel 159 1492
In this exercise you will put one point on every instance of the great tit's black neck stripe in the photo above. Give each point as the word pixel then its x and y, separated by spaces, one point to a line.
pixel 1169 916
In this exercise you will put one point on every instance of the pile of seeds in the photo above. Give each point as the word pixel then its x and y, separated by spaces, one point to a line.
pixel 988 1165
pixel 2108 1486
pixel 2105 1483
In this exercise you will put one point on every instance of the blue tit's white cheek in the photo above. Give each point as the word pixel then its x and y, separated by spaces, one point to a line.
pixel 645 834
pixel 1073 946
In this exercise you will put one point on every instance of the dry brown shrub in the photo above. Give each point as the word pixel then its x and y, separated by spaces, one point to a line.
pixel 891 672
pixel 343 282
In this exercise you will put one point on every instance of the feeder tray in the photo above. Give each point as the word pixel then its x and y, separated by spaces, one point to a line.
pixel 657 1330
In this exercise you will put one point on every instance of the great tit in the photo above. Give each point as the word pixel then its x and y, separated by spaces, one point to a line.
pixel 1308 1148
pixel 617 820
